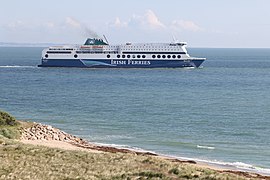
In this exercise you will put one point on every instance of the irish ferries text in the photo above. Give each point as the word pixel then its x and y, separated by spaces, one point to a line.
pixel 128 62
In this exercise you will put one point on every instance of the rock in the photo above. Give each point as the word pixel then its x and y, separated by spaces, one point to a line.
pixel 61 137
pixel 33 138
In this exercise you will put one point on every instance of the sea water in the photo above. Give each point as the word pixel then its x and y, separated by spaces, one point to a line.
pixel 219 113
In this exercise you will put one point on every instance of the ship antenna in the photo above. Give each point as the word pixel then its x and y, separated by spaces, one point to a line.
pixel 174 39
pixel 105 39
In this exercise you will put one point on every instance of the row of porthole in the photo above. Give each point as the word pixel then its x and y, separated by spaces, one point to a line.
pixel 128 56
pixel 143 56
pixel 138 56
pixel 168 56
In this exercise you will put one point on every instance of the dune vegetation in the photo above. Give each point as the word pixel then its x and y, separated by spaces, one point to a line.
pixel 23 161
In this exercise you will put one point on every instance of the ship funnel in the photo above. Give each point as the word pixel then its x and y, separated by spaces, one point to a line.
pixel 94 41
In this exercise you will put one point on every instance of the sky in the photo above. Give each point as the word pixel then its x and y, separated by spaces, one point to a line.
pixel 200 23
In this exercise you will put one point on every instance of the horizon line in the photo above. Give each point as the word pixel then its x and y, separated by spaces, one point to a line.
pixel 46 44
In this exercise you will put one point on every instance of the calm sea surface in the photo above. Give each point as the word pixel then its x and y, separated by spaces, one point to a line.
pixel 219 113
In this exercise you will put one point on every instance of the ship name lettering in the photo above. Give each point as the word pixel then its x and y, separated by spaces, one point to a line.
pixel 118 62
pixel 130 62
pixel 135 62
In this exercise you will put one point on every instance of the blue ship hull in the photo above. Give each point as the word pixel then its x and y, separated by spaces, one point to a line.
pixel 123 63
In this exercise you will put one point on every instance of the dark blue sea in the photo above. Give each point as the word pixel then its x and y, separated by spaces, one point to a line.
pixel 219 113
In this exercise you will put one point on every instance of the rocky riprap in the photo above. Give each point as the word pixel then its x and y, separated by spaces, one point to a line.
pixel 49 133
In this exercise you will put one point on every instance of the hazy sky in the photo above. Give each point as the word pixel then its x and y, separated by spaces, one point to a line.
pixel 201 23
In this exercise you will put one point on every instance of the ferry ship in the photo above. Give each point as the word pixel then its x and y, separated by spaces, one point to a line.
pixel 96 53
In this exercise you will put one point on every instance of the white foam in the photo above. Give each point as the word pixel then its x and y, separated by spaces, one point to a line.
pixel 188 67
pixel 242 165
pixel 205 147
pixel 238 166
pixel 249 167
pixel 18 66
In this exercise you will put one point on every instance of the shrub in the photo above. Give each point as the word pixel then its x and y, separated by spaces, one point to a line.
pixel 9 133
pixel 7 119
pixel 174 171
pixel 150 174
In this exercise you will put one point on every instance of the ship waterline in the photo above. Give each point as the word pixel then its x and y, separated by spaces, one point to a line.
pixel 96 63
pixel 95 53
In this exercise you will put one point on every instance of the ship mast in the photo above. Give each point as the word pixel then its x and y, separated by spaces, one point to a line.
pixel 105 39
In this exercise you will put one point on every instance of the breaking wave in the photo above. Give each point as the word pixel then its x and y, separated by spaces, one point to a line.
pixel 205 147
pixel 242 167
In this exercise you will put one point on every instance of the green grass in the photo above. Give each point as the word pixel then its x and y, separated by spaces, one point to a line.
pixel 10 127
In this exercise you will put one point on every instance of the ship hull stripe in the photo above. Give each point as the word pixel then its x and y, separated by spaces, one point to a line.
pixel 123 63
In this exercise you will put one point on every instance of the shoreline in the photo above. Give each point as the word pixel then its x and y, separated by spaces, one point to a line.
pixel 46 135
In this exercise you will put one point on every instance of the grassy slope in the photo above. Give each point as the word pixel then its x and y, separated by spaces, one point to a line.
pixel 18 161
pixel 37 162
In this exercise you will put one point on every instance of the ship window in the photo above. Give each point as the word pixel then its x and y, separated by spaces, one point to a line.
pixel 123 56
pixel 179 56
pixel 108 56
pixel 46 55
pixel 75 55
pixel 163 56
pixel 138 56
pixel 133 56
pixel 174 56
pixel 169 56
pixel 128 56
pixel 118 56
pixel 143 56
pixel 153 56
pixel 158 56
